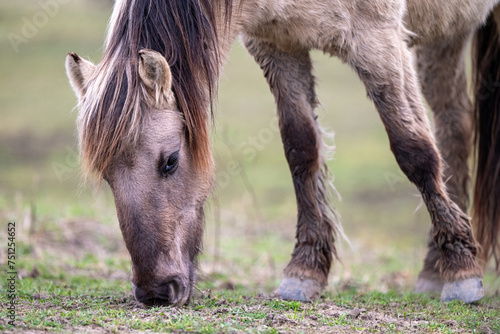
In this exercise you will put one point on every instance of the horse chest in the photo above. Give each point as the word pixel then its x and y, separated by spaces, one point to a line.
pixel 330 25
pixel 294 34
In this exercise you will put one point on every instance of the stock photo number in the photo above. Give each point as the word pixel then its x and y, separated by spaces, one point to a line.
pixel 11 273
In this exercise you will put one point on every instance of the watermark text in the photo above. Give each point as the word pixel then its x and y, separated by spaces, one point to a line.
pixel 11 273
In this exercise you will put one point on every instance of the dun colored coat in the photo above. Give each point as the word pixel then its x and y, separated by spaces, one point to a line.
pixel 144 124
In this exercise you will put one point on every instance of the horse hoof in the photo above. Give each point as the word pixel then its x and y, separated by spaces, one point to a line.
pixel 304 290
pixel 424 285
pixel 469 290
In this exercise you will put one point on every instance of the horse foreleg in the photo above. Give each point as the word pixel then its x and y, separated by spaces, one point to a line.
pixel 292 83
pixel 441 69
pixel 383 62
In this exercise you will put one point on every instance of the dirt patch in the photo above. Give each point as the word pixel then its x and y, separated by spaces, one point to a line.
pixel 229 308
pixel 250 314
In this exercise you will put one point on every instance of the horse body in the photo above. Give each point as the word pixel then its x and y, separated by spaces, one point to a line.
pixel 329 25
pixel 161 175
pixel 434 20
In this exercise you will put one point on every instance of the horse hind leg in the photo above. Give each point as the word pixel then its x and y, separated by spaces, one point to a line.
pixel 441 69
pixel 393 87
pixel 292 83
pixel 444 84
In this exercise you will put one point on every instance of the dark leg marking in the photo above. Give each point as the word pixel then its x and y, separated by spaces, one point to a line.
pixel 292 83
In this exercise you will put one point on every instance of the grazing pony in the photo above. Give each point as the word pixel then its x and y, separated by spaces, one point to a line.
pixel 145 115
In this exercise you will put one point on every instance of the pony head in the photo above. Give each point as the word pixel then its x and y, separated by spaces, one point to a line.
pixel 133 135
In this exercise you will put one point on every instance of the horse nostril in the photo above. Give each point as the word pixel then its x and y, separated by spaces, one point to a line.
pixel 171 292
pixel 139 293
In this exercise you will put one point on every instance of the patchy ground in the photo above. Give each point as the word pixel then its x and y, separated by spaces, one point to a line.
pixel 74 277
pixel 230 312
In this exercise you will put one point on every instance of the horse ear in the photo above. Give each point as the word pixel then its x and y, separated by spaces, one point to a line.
pixel 155 73
pixel 79 71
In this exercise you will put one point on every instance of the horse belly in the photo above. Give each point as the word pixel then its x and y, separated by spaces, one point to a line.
pixel 433 20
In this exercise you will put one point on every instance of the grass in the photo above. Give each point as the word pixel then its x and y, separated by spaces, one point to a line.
pixel 73 265
pixel 72 279
pixel 62 302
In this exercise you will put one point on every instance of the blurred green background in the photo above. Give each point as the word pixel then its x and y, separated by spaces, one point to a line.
pixel 251 215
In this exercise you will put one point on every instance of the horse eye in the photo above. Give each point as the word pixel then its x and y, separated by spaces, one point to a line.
pixel 170 166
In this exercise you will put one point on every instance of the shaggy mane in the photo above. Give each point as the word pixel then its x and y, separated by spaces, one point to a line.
pixel 111 114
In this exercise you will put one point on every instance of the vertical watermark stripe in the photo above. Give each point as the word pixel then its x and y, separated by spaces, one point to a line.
pixel 11 273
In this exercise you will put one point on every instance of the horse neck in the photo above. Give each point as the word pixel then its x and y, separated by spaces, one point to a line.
pixel 243 11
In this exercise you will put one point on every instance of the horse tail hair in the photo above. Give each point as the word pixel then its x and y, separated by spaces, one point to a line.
pixel 486 207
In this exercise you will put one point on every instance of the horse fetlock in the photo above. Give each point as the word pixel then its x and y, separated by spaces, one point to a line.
pixel 455 244
pixel 305 290
pixel 455 266
pixel 468 290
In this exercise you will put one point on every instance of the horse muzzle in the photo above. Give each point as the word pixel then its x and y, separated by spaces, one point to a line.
pixel 173 291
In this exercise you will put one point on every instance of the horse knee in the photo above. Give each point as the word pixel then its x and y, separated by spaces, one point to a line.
pixel 419 160
pixel 301 144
